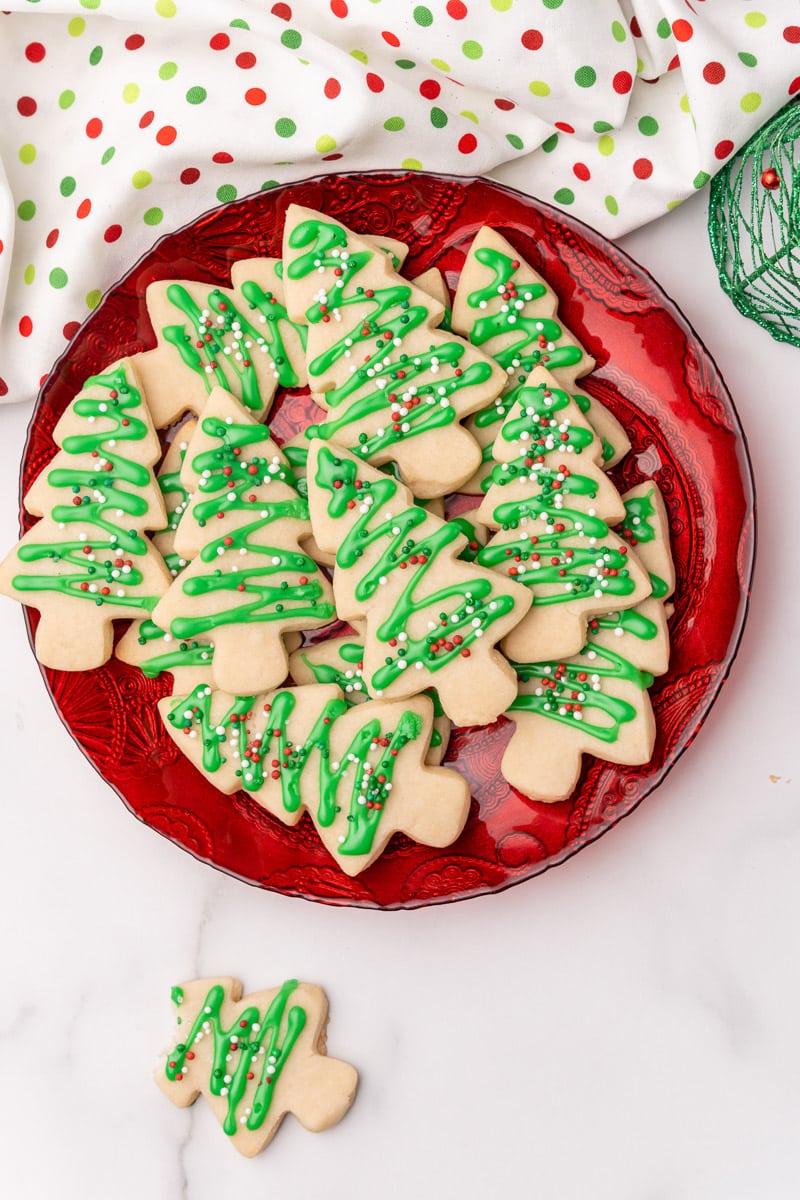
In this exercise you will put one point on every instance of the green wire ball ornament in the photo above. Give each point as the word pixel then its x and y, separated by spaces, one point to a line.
pixel 754 226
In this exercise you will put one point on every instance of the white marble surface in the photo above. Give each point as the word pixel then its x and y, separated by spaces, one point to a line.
pixel 622 1028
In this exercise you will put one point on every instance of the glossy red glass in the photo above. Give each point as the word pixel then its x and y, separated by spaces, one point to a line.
pixel 652 372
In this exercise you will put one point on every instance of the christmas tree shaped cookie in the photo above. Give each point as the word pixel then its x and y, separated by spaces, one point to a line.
pixel 175 497
pixel 88 562
pixel 358 770
pixel 148 647
pixel 596 702
pixel 255 1059
pixel 432 620
pixel 250 582
pixel 395 386
pixel 504 306
pixel 552 506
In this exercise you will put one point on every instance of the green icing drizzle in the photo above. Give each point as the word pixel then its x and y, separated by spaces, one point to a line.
pixel 458 626
pixel 255 1045
pixel 180 654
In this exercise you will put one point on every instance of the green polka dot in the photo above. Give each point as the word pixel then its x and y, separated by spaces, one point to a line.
pixel 471 116
pixel 285 127
pixel 196 94
pixel 411 164
pixel 514 141
pixel 67 185
pixel 438 118
pixel 663 28
pixel 550 143
pixel 700 179
pixel 539 88
pixel 639 65
pixel 618 31
pixel 472 49
pixel 750 102
pixel 90 4
pixel 749 60
pixel 141 179
pixel 27 153
pixel 602 126
pixel 130 92
pixel 269 183
pixel 153 216
pixel 360 56
pixel 552 3
pixel 502 5
pixel 440 64
pixel 166 8
pixel 606 145
pixel 239 23
pixel 611 205
pixel 95 55
pixel 586 77
pixel 405 64
pixel 108 155
pixel 167 70
pixel 755 19
pixel 26 210
pixel 393 124
pixel 29 274
pixel 423 16
pixel 58 277
pixel 66 98
pixel 291 39
pixel 684 103
pixel 76 27
pixel 564 196
pixel 648 126
pixel 325 143
pixel 673 204
pixel 93 298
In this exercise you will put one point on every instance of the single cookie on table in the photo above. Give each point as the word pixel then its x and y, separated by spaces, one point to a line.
pixel 597 702
pixel 255 1059
pixel 504 306
pixel 395 386
pixel 88 561
pixel 552 506
pixel 358 770
pixel 432 620
pixel 249 582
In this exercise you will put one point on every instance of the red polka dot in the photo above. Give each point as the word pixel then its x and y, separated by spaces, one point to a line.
pixel 504 105
pixel 112 233
pixel 25 326
pixel 643 168
pixel 456 10
pixel 134 42
pixel 723 148
pixel 332 88
pixel 330 157
pixel 281 10
pixel 564 126
pixel 51 239
pixel 374 82
pixel 3 387
pixel 674 63
pixel 222 156
pixel 339 8
pixel 794 86
pixel 635 27
pixel 35 52
pixel 94 127
pixel 146 119
pixel 83 209
pixel 166 135
pixel 713 72
pixel 430 88
pixel 255 96
pixel 622 82
pixel 190 175
pixel 468 143
pixel 391 39
pixel 26 106
pixel 220 41
pixel 582 172
pixel 532 39
pixel 792 34
pixel 682 30
pixel 70 329
pixel 245 60
pixel 1 246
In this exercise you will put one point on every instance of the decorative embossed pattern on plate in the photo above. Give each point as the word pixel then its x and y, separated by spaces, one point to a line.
pixel 652 372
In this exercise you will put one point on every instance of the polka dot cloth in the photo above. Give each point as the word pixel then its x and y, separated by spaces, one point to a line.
pixel 124 119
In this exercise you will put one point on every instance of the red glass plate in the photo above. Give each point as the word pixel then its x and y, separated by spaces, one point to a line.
pixel 652 372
